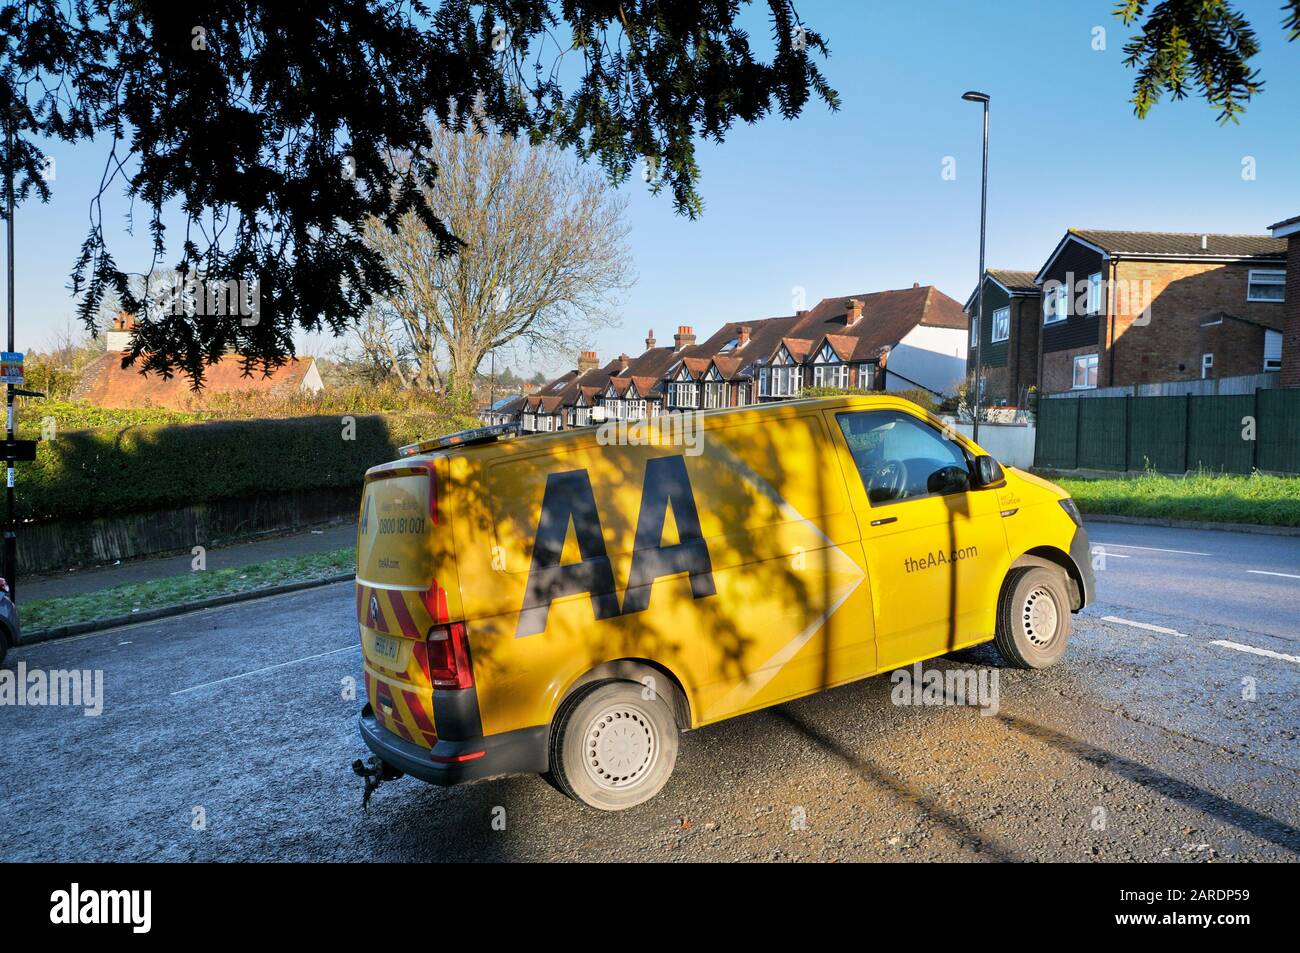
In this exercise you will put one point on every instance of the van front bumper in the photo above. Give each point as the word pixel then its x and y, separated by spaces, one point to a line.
pixel 1081 554
pixel 523 751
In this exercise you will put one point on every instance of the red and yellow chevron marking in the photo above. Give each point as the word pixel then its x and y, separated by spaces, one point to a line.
pixel 402 699
pixel 401 710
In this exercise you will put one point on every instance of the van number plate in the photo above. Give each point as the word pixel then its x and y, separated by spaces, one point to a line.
pixel 387 648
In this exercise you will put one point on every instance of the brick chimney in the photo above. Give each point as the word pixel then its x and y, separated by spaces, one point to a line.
pixel 118 336
pixel 623 360
pixel 742 336
pixel 853 312
pixel 684 337
pixel 587 361
pixel 650 340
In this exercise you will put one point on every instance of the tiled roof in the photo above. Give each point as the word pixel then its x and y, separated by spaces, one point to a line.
pixel 1014 280
pixel 1184 244
pixel 106 383
pixel 887 317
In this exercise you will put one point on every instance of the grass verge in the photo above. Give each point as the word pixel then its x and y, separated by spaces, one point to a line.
pixel 182 590
pixel 1215 497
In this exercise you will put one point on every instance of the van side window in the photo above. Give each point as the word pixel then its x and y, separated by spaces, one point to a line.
pixel 900 457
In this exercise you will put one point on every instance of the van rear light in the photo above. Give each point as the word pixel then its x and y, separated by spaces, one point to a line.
pixel 447 651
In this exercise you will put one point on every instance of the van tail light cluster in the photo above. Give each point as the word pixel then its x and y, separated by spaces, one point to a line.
pixel 444 656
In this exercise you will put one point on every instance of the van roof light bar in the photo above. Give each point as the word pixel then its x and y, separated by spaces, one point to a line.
pixel 461 438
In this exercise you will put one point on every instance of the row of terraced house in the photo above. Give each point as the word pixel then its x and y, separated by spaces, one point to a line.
pixel 1107 308
pixel 888 340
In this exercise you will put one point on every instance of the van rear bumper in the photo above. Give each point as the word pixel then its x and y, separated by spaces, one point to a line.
pixel 523 751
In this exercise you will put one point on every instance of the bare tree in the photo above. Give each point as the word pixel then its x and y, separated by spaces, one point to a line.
pixel 544 258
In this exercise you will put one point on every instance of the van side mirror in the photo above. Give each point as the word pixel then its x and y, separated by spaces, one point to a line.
pixel 947 480
pixel 988 471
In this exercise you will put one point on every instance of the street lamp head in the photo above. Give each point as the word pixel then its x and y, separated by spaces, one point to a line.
pixel 974 97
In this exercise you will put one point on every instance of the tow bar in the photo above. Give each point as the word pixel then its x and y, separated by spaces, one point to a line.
pixel 374 771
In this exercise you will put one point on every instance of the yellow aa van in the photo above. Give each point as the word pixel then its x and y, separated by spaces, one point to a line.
pixel 568 603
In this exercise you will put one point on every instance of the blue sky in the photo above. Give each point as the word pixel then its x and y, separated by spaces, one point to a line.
pixel 855 201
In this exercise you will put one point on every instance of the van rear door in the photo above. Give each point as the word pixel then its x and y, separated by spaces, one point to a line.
pixel 405 592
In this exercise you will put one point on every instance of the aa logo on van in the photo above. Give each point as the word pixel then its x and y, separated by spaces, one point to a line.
pixel 568 500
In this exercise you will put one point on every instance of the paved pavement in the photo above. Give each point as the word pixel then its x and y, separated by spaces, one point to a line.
pixel 1164 735
pixel 318 540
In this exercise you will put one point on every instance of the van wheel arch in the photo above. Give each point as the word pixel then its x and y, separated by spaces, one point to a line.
pixel 635 670
pixel 1049 557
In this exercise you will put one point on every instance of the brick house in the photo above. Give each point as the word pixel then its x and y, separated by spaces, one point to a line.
pixel 1122 308
pixel 1007 342
pixel 106 383
pixel 1289 231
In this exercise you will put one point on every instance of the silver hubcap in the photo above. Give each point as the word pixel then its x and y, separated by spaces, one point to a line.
pixel 621 747
pixel 1039 617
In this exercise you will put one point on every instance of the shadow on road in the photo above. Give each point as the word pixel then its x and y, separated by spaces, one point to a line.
pixel 1244 818
pixel 873 774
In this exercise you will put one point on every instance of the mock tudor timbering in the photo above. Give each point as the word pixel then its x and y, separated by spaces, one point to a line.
pixel 892 340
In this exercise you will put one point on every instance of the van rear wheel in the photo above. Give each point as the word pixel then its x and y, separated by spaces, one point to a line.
pixel 612 747
pixel 1033 618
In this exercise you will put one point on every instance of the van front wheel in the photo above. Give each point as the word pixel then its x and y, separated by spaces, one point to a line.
pixel 1033 618
pixel 613 746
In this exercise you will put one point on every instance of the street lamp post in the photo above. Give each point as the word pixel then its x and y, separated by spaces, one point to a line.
pixel 974 97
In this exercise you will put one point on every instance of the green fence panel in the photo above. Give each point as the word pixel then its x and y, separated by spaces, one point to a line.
pixel 1278 431
pixel 1056 442
pixel 1216 434
pixel 1157 434
pixel 1103 425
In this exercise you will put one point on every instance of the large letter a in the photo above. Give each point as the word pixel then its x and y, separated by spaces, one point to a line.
pixel 568 498
pixel 666 482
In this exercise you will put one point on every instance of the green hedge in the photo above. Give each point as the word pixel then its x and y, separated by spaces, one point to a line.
pixel 113 470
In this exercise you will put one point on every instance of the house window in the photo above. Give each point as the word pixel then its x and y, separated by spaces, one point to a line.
pixel 713 394
pixel 636 410
pixel 787 381
pixel 682 394
pixel 1085 372
pixel 1001 324
pixel 1266 285
pixel 1207 366
pixel 582 416
pixel 762 382
pixel 974 330
pixel 1094 293
pixel 867 376
pixel 1272 350
pixel 1056 304
pixel 742 395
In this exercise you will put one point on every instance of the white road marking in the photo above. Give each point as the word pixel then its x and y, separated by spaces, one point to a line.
pixel 1265 572
pixel 1143 625
pixel 1156 549
pixel 1099 551
pixel 1254 651
pixel 269 668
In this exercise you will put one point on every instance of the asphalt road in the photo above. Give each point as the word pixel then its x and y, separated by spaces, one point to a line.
pixel 226 734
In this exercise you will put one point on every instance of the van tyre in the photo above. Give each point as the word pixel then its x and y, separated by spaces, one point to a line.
pixel 612 747
pixel 1033 617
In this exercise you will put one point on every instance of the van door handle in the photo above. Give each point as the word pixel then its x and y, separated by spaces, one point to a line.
pixel 882 522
